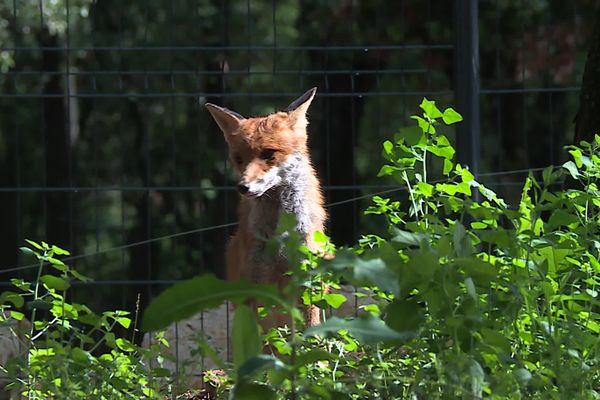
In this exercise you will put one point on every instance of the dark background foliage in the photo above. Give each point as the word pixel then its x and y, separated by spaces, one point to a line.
pixel 104 140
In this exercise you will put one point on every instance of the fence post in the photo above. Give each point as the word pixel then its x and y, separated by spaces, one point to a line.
pixel 466 81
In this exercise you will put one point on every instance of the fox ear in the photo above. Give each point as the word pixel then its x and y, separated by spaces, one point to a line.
pixel 297 110
pixel 228 121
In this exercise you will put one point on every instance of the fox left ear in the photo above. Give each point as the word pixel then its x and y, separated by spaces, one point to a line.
pixel 297 110
pixel 229 121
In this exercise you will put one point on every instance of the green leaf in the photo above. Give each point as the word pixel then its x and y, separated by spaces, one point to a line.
pixel 39 305
pixel 27 250
pixel 312 356
pixel 563 218
pixel 363 272
pixel 334 300
pixel 522 375
pixel 462 241
pixel 430 109
pixel 388 148
pixel 386 170
pixel 187 298
pixel 425 188
pixel 481 272
pixel 55 282
pixel 257 364
pixel 405 315
pixel 254 391
pixel 34 244
pixel 572 168
pixel 245 335
pixel 450 116
pixel 425 125
pixel 125 345
pixel 17 315
pixel 15 298
pixel 410 135
pixel 123 321
pixel 470 286
pixel 57 250
pixel 448 165
pixel 367 329
pixel 408 238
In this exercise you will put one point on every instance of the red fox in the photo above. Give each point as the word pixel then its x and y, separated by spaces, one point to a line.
pixel 270 155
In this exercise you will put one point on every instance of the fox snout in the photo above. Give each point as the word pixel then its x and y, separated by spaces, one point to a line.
pixel 243 188
pixel 256 186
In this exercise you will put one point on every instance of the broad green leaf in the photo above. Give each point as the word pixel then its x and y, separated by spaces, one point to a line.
pixel 496 339
pixel 406 237
pixel 463 245
pixel 17 315
pixel 425 126
pixel 55 282
pixel 125 345
pixel 245 335
pixel 423 264
pixel 563 218
pixel 477 379
pixel 39 305
pixel 124 322
pixel 522 375
pixel 572 168
pixel 410 135
pixel 450 116
pixel 429 107
pixel 478 225
pixel 405 315
pixel 388 148
pixel 34 244
pixel 481 272
pixel 254 391
pixel 366 329
pixel 57 250
pixel 335 300
pixel 15 298
pixel 388 170
pixel 577 155
pixel 257 364
pixel 470 286
pixel 363 272
pixel 187 298
pixel 313 356
pixel 448 165
pixel 27 250
pixel 425 188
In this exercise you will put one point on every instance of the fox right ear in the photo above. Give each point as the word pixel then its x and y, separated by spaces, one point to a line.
pixel 228 121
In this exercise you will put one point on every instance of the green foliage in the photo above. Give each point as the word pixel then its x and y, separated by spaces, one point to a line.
pixel 72 352
pixel 472 297
pixel 475 298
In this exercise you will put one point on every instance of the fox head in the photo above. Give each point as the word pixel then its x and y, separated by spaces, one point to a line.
pixel 264 150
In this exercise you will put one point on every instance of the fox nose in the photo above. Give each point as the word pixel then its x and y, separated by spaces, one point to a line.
pixel 243 188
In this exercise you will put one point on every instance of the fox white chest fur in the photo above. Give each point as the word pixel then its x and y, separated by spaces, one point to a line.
pixel 271 157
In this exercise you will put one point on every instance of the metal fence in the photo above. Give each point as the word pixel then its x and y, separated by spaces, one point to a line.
pixel 107 151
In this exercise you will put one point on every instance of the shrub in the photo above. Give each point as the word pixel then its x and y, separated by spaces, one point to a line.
pixel 477 298
pixel 72 352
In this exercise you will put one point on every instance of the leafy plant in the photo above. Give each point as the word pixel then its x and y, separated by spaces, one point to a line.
pixel 73 352
pixel 475 298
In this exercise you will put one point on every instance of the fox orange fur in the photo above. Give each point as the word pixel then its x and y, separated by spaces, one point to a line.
pixel 270 155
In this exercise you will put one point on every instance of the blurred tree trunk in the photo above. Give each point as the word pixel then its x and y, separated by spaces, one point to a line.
pixel 587 120
pixel 344 113
pixel 58 145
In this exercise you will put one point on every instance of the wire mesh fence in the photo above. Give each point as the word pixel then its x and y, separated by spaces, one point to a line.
pixel 107 150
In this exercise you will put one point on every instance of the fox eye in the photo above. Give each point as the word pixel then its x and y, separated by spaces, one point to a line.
pixel 238 160
pixel 267 154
